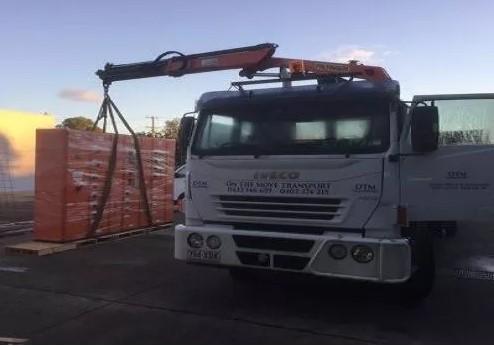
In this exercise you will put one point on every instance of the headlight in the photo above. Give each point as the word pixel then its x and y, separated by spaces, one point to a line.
pixel 338 251
pixel 362 253
pixel 195 240
pixel 213 242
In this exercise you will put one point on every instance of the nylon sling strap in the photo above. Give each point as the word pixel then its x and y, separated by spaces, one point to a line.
pixel 106 110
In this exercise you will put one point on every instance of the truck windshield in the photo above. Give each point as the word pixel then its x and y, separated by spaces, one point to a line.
pixel 302 129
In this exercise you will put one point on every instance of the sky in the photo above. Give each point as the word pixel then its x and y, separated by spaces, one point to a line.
pixel 49 50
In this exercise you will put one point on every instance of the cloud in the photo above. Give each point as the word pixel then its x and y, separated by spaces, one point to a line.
pixel 364 55
pixel 80 95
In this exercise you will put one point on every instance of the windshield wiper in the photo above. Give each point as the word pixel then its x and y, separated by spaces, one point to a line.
pixel 314 141
pixel 233 148
pixel 230 145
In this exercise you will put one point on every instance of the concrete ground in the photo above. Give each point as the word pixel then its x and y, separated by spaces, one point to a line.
pixel 133 291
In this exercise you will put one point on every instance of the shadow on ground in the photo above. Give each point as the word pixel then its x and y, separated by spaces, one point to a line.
pixel 133 291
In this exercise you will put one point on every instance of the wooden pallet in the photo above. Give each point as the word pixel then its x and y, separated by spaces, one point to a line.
pixel 42 248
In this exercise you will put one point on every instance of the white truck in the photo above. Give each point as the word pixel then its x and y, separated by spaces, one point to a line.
pixel 339 178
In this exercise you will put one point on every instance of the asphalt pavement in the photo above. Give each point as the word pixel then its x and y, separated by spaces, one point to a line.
pixel 133 291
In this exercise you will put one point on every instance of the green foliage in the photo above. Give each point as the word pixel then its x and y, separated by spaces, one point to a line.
pixel 78 123
pixel 170 130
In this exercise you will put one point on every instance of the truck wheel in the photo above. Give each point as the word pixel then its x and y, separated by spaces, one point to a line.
pixel 421 282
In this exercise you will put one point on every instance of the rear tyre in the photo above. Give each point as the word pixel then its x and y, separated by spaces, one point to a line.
pixel 420 284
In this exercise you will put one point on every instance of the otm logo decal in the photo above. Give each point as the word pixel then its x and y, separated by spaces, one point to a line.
pixel 199 184
pixel 365 188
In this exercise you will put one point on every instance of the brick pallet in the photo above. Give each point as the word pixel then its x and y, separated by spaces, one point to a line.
pixel 71 170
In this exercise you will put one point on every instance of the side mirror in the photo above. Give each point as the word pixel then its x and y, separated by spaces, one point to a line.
pixel 187 124
pixel 425 128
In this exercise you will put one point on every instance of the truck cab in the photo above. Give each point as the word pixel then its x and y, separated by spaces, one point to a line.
pixel 339 179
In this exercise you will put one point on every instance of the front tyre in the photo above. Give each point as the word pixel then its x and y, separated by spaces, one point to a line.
pixel 420 284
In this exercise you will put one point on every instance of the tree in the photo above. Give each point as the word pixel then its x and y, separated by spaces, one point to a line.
pixel 78 123
pixel 170 130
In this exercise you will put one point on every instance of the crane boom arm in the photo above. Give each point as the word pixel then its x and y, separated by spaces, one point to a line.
pixel 249 60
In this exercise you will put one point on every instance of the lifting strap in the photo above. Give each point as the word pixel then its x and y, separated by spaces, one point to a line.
pixel 107 109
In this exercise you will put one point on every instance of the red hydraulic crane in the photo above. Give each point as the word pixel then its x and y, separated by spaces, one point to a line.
pixel 250 60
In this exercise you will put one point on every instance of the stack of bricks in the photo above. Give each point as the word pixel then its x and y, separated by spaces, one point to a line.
pixel 71 171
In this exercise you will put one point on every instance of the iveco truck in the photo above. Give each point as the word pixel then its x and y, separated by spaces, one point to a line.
pixel 337 179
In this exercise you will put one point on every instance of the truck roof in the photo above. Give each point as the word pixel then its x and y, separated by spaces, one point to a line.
pixel 389 89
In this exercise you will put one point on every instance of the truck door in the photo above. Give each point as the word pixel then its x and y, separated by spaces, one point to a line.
pixel 455 182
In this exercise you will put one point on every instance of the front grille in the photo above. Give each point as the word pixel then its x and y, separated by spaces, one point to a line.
pixel 268 207
pixel 277 228
pixel 270 243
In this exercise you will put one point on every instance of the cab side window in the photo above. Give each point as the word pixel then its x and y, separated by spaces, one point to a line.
pixel 466 122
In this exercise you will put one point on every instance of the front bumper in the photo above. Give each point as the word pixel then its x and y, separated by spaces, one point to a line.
pixel 297 252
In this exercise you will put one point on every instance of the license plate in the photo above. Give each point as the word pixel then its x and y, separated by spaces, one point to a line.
pixel 203 255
